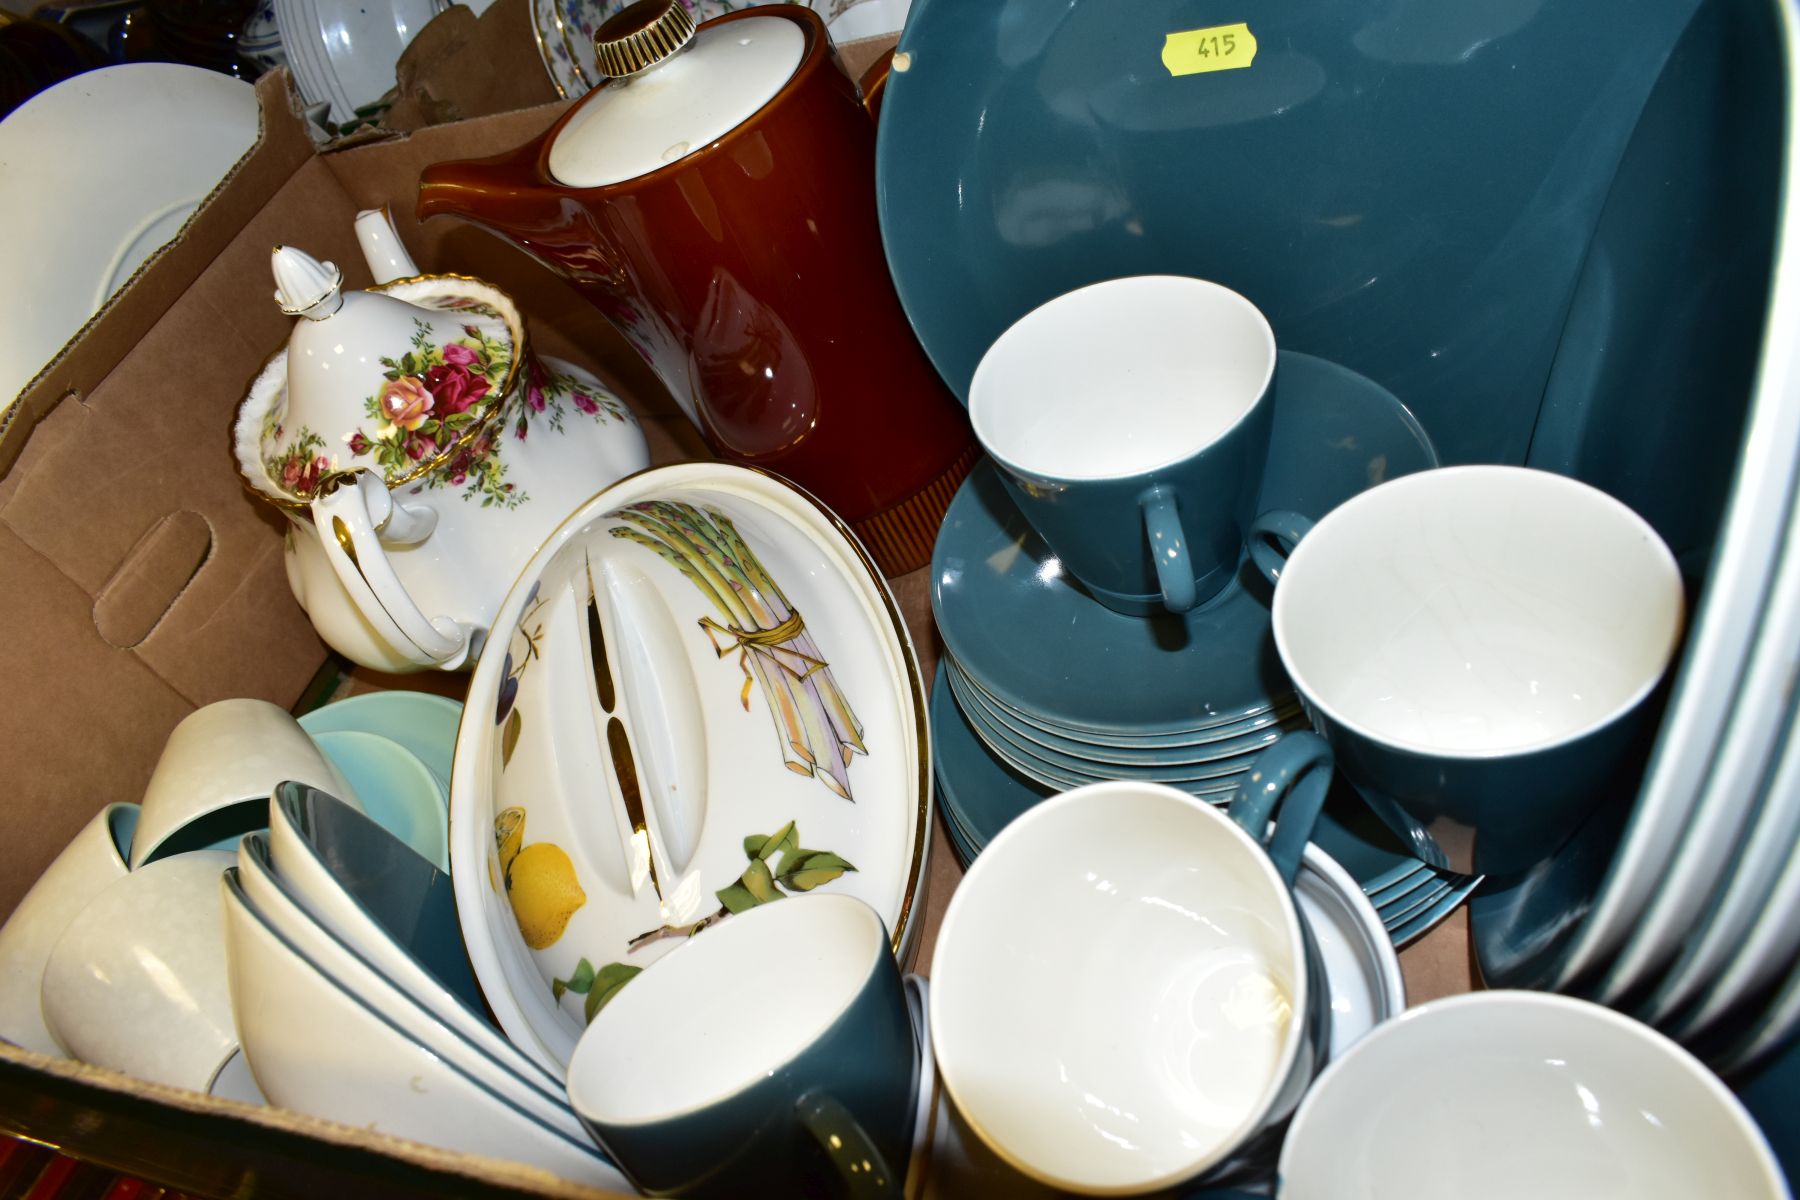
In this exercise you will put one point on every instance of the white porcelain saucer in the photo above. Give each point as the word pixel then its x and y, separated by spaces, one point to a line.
pixel 96 174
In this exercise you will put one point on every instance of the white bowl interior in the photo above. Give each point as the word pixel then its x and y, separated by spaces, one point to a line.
pixel 1114 988
pixel 1121 377
pixel 1500 1095
pixel 1478 610
pixel 690 1033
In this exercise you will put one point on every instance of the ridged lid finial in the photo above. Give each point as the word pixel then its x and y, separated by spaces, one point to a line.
pixel 642 35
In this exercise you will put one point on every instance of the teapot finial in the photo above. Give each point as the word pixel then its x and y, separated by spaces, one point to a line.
pixel 642 35
pixel 306 287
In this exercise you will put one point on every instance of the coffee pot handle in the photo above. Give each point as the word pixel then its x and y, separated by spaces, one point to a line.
pixel 859 1164
pixel 354 515
pixel 1293 775
pixel 873 83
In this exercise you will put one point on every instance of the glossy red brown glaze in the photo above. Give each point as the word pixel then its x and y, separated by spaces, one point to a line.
pixel 751 277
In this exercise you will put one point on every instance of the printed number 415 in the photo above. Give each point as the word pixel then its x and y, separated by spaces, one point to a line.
pixel 1222 45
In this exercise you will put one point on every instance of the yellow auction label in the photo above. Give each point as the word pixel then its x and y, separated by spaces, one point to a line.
pixel 1215 48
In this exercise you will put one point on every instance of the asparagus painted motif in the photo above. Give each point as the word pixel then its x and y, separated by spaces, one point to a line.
pixel 815 727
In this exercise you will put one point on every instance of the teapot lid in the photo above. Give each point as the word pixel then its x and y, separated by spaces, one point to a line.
pixel 674 90
pixel 397 379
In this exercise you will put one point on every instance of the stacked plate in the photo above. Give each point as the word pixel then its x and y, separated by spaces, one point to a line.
pixel 1676 903
pixel 1042 688
pixel 343 54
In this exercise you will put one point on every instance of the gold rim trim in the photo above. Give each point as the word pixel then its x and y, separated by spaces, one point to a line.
pixel 503 402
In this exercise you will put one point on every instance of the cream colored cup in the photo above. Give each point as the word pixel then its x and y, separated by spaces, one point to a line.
pixel 93 859
pixel 216 773
pixel 138 983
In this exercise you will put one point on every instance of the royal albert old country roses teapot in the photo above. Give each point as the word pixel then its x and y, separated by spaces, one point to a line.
pixel 422 453
pixel 715 199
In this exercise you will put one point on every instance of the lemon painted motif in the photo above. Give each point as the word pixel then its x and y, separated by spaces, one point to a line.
pixel 540 882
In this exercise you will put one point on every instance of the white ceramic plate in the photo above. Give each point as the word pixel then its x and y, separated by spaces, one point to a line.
pixel 1767 1033
pixel 344 51
pixel 1734 801
pixel 1753 938
pixel 632 739
pixel 1729 613
pixel 96 174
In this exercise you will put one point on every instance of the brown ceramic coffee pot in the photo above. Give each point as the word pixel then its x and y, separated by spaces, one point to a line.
pixel 715 199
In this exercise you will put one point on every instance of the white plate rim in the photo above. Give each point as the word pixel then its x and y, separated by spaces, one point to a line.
pixel 168 110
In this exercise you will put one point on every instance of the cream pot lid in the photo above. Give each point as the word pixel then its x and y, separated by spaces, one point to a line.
pixel 673 90
pixel 399 380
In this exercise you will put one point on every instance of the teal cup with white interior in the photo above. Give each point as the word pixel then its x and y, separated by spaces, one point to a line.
pixel 771 1053
pixel 1130 420
pixel 1479 645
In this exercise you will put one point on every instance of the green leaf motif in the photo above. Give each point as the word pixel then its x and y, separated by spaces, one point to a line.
pixel 805 870
pixel 607 983
pixel 760 882
pixel 807 880
pixel 509 741
pixel 579 981
pixel 736 898
pixel 755 842
pixel 783 839
pixel 814 860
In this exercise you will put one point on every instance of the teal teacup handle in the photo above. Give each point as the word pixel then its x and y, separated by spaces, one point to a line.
pixel 1273 536
pixel 1294 774
pixel 859 1164
pixel 1169 549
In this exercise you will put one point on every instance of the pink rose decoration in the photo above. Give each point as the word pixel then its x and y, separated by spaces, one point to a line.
pixel 359 444
pixel 535 378
pixel 419 445
pixel 585 403
pixel 454 388
pixel 459 355
pixel 405 402
pixel 301 476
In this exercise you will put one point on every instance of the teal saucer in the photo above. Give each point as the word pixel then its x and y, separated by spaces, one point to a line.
pixel 1022 630
pixel 1152 746
pixel 979 796
pixel 1177 762
pixel 1048 767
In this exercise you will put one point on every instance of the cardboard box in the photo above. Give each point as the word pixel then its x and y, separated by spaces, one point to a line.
pixel 139 580
pixel 142 580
